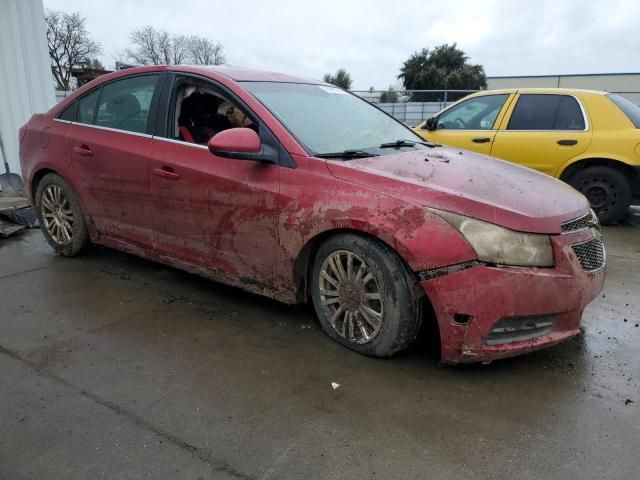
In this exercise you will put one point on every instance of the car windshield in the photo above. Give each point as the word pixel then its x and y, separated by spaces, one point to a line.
pixel 326 119
pixel 630 109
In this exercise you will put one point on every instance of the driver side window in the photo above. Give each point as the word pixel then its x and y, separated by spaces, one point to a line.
pixel 200 113
pixel 478 113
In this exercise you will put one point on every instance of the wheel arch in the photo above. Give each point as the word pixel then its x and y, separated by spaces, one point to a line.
pixel 570 169
pixel 37 178
pixel 429 334
pixel 303 263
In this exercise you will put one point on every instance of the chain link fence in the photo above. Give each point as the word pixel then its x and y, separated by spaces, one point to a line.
pixel 414 106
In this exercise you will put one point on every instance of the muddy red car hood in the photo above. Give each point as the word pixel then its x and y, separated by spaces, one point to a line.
pixel 469 184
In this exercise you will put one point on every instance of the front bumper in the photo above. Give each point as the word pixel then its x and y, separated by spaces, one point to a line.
pixel 469 303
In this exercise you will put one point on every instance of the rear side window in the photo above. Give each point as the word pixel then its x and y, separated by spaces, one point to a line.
pixel 546 112
pixel 630 109
pixel 87 107
pixel 125 104
pixel 69 113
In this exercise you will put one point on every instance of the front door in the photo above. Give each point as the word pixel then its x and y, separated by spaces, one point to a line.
pixel 109 147
pixel 543 131
pixel 210 211
pixel 471 124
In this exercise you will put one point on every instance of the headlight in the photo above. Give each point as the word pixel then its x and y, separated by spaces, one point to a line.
pixel 501 246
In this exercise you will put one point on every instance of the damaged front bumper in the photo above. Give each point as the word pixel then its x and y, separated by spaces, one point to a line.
pixel 488 312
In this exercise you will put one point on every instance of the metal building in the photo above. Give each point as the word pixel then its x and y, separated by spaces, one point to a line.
pixel 627 84
pixel 26 83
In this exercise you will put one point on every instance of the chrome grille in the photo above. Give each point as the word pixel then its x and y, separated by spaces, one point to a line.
pixel 586 221
pixel 591 254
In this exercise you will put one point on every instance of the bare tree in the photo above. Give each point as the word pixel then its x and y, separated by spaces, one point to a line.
pixel 69 43
pixel 146 48
pixel 204 51
pixel 179 49
pixel 159 47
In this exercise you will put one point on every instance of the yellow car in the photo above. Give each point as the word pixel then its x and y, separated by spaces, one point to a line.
pixel 589 139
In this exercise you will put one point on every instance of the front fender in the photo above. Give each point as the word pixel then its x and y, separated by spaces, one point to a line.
pixel 422 239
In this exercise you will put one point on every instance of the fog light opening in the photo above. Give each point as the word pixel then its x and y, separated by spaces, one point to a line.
pixel 519 329
pixel 462 318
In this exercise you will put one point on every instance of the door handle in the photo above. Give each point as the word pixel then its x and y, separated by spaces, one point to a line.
pixel 166 172
pixel 567 142
pixel 481 140
pixel 83 150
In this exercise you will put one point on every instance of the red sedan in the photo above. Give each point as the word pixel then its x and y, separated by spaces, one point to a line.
pixel 300 191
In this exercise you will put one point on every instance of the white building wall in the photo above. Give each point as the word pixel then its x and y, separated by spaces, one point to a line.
pixel 26 83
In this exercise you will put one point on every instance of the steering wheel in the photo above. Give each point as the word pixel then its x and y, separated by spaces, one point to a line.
pixel 459 121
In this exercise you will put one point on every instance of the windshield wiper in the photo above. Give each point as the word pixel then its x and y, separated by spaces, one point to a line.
pixel 407 143
pixel 347 154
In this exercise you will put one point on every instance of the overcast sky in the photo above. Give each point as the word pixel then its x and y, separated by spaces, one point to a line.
pixel 371 39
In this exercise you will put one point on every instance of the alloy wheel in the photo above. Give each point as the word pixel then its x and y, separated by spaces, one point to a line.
pixel 57 214
pixel 351 297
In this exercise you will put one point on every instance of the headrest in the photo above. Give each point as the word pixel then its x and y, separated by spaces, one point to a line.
pixel 123 105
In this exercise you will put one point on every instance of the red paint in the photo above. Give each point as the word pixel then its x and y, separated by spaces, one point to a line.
pixel 235 140
pixel 251 224
pixel 490 293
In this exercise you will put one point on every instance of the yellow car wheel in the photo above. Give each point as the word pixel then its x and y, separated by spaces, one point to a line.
pixel 607 190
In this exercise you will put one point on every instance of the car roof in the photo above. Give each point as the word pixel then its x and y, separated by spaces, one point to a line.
pixel 566 91
pixel 236 73
pixel 241 74
pixel 233 73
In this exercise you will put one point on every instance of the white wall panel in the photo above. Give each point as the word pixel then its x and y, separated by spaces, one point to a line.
pixel 26 83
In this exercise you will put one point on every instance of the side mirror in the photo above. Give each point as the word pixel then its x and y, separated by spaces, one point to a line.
pixel 239 143
pixel 430 124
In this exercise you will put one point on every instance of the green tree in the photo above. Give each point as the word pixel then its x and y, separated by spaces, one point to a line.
pixel 93 64
pixel 443 68
pixel 341 79
pixel 390 96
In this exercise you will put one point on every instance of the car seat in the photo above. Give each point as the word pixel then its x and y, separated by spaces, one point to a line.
pixel 199 119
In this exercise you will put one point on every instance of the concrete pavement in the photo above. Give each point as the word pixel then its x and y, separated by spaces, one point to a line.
pixel 115 367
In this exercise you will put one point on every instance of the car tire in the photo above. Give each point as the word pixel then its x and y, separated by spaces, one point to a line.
pixel 61 218
pixel 607 190
pixel 364 295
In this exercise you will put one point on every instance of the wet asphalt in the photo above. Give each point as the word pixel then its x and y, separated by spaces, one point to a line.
pixel 115 367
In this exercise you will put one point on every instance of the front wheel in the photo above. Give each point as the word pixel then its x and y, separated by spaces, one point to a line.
pixel 607 190
pixel 364 296
pixel 60 216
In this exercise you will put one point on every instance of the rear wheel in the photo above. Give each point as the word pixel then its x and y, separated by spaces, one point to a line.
pixel 607 190
pixel 60 216
pixel 364 296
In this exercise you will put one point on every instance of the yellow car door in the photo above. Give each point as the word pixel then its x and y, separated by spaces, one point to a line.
pixel 543 131
pixel 470 124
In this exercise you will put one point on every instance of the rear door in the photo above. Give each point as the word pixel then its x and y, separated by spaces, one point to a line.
pixel 109 145
pixel 543 131
pixel 471 124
